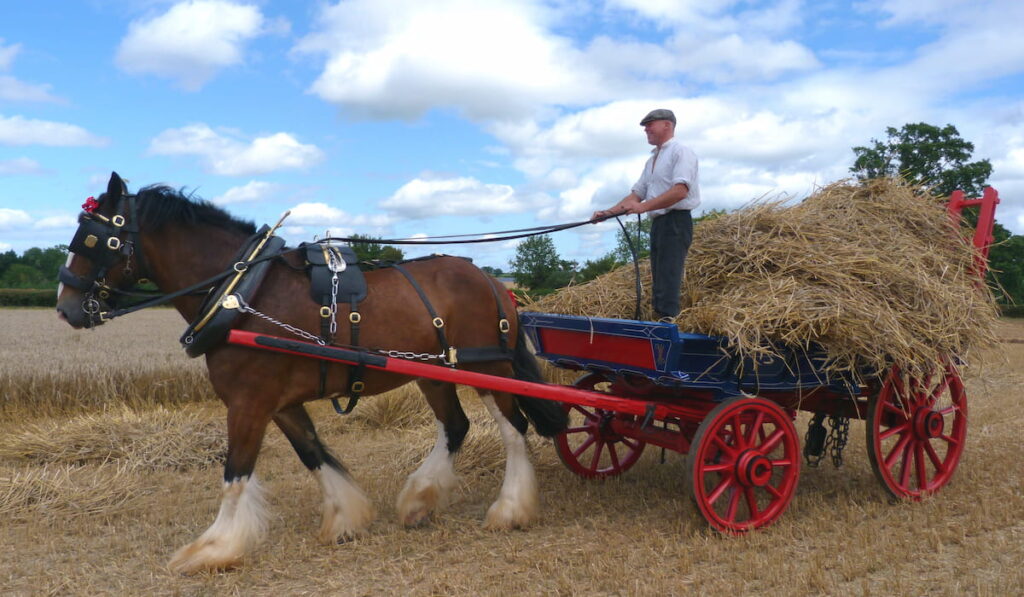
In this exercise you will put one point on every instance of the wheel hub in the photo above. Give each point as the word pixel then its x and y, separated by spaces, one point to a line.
pixel 753 469
pixel 928 424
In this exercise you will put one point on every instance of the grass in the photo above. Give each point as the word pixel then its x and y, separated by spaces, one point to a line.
pixel 103 476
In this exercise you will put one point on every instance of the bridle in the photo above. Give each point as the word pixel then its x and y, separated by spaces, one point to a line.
pixel 106 242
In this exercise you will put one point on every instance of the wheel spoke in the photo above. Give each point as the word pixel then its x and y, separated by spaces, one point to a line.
pixel 577 430
pixel 583 447
pixel 737 432
pixel 587 414
pixel 614 456
pixel 719 489
pixel 905 469
pixel 896 410
pixel 752 503
pixel 631 443
pixel 940 389
pixel 734 502
pixel 922 475
pixel 773 441
pixel 890 459
pixel 934 456
pixel 595 461
pixel 754 429
pixel 722 445
pixel 894 430
pixel 774 491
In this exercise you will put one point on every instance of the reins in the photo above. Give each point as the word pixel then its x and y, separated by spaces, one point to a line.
pixel 205 285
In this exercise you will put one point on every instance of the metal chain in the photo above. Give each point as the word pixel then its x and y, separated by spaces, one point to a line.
pixel 398 354
pixel 336 264
pixel 410 356
pixel 839 434
pixel 245 308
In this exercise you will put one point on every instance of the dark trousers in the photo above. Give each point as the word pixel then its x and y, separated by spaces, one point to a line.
pixel 671 234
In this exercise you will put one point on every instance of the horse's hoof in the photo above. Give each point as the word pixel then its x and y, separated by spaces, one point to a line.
pixel 503 515
pixel 202 556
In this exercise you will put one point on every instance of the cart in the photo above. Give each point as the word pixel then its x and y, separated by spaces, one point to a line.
pixel 646 383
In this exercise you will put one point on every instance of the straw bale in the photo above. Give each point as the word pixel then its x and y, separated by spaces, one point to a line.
pixel 873 273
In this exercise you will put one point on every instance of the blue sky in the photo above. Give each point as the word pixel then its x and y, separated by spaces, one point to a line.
pixel 409 118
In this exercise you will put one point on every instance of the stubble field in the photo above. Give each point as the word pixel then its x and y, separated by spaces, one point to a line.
pixel 110 451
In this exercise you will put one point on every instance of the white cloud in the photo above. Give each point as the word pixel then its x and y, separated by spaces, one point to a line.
pixel 191 42
pixel 13 218
pixel 227 153
pixel 320 215
pixel 254 190
pixel 463 196
pixel 20 166
pixel 490 59
pixel 17 130
pixel 65 221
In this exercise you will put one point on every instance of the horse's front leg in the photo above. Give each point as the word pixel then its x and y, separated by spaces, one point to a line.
pixel 518 502
pixel 428 488
pixel 347 512
pixel 242 520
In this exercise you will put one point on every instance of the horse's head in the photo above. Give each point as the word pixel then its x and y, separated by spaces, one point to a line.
pixel 103 259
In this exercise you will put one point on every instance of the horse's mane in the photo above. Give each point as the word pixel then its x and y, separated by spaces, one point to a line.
pixel 160 205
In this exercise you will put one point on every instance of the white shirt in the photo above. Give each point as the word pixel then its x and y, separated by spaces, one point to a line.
pixel 669 165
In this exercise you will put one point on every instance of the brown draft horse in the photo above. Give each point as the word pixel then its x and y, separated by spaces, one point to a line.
pixel 176 242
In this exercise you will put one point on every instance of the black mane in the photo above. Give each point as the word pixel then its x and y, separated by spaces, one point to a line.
pixel 160 205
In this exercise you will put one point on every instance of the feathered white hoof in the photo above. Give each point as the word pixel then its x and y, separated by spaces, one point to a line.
pixel 240 524
pixel 347 512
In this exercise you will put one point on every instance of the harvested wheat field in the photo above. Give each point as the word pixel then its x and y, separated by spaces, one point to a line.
pixel 110 445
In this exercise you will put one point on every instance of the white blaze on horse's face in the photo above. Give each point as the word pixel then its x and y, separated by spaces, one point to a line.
pixel 67 264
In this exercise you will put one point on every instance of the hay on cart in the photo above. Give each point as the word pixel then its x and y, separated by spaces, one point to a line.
pixel 871 272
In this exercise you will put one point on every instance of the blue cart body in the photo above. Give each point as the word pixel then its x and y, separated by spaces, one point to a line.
pixel 659 352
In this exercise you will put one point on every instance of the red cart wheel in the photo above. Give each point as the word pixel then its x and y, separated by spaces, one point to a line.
pixel 916 429
pixel 588 447
pixel 744 464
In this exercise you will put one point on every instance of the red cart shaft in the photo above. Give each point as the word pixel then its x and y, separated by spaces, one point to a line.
pixel 571 395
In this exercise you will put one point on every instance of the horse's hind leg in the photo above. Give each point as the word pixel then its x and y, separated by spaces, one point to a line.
pixel 429 487
pixel 346 512
pixel 241 521
pixel 517 503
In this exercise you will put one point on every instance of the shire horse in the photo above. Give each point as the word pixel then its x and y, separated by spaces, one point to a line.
pixel 176 242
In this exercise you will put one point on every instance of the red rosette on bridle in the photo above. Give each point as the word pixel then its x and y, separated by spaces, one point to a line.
pixel 90 205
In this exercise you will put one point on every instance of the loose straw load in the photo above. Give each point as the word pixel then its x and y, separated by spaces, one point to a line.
pixel 873 273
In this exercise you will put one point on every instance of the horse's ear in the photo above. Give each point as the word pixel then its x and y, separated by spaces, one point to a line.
pixel 116 187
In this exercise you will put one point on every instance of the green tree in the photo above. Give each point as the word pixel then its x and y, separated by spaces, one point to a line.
pixel 593 268
pixel 924 154
pixel 538 266
pixel 20 275
pixel 368 248
pixel 639 233
pixel 494 271
pixel 7 259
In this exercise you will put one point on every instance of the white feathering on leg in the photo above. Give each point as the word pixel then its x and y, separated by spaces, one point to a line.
pixel 518 502
pixel 347 511
pixel 430 486
pixel 240 524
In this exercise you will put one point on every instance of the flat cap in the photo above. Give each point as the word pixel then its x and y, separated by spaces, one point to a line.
pixel 659 114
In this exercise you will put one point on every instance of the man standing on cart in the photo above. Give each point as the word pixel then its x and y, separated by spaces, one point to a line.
pixel 667 190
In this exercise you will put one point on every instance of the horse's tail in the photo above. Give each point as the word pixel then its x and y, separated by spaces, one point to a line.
pixel 548 417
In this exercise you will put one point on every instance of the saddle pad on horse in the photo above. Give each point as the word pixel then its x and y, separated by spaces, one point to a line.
pixel 326 260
